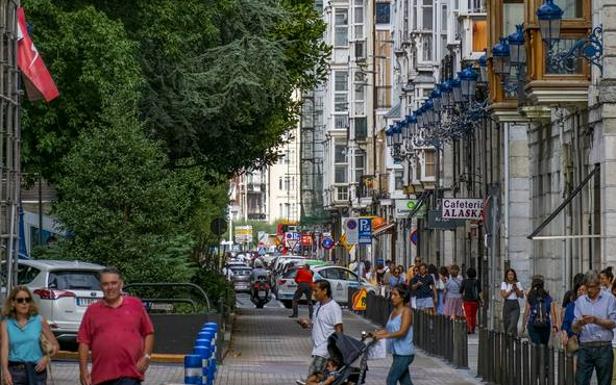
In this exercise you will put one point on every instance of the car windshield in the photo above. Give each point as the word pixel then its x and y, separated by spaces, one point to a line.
pixel 241 271
pixel 67 280
pixel 290 274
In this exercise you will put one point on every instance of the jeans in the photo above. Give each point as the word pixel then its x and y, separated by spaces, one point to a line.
pixel 399 371
pixel 511 315
pixel 20 375
pixel 317 365
pixel 539 336
pixel 122 381
pixel 303 289
pixel 597 358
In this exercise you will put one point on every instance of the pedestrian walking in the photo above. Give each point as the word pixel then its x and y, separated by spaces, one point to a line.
pixel 399 333
pixel 595 319
pixel 511 290
pixel 570 339
pixel 606 277
pixel 402 270
pixel 443 276
pixel 413 270
pixel 303 278
pixel 425 290
pixel 119 334
pixel 471 298
pixel 23 360
pixel 539 313
pixel 326 321
pixel 453 297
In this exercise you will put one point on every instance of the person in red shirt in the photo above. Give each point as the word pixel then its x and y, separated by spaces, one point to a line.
pixel 303 278
pixel 119 333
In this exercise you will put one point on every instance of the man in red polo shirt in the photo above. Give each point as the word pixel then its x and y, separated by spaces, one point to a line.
pixel 303 278
pixel 119 333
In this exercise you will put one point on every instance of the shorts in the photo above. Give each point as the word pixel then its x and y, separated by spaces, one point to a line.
pixel 317 365
pixel 425 303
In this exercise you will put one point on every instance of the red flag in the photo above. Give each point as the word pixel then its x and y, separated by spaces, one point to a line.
pixel 38 81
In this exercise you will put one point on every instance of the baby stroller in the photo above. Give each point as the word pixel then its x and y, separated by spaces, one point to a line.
pixel 348 351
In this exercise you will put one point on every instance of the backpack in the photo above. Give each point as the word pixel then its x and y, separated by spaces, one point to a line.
pixel 540 312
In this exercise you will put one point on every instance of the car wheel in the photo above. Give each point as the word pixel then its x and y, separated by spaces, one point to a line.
pixel 260 305
pixel 288 304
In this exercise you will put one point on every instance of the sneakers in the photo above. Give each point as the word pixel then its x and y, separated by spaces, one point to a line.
pixel 300 382
pixel 293 316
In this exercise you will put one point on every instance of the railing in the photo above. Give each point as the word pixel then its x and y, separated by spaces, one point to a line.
pixel 435 334
pixel 507 360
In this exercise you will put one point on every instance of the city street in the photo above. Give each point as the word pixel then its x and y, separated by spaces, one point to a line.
pixel 269 348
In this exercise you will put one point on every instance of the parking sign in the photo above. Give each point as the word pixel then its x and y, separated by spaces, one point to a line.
pixel 364 231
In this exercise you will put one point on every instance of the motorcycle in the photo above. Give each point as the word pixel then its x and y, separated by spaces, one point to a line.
pixel 260 292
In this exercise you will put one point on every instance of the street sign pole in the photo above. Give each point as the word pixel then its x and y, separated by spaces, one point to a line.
pixel 494 192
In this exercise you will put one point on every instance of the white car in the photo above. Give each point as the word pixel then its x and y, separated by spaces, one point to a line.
pixel 62 290
pixel 340 279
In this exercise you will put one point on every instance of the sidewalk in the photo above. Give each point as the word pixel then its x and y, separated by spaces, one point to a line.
pixel 67 373
pixel 269 348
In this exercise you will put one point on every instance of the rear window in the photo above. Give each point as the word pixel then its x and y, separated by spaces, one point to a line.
pixel 290 274
pixel 241 271
pixel 74 280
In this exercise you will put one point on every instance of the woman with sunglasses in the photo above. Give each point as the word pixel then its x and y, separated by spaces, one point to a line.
pixel 23 360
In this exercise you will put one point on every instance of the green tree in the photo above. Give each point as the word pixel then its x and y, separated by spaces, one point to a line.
pixel 118 200
pixel 95 66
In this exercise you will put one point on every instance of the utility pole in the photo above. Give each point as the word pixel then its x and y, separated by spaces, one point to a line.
pixel 494 191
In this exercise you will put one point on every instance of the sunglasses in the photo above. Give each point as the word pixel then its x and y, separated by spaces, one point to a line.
pixel 23 300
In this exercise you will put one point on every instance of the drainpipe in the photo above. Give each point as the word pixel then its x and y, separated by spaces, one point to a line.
pixel 507 187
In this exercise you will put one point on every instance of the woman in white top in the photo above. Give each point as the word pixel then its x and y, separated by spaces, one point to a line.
pixel 511 290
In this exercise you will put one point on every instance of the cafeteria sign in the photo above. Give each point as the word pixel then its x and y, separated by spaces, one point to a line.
pixel 462 208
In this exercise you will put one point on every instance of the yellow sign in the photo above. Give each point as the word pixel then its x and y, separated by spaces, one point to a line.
pixel 359 299
pixel 343 242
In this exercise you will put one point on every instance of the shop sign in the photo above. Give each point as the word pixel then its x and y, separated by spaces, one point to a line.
pixel 454 208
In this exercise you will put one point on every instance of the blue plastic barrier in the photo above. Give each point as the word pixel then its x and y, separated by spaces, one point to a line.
pixel 193 369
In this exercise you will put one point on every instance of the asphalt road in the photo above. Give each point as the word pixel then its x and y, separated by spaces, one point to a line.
pixel 242 301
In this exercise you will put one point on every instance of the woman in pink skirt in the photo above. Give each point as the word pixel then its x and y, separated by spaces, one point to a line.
pixel 453 297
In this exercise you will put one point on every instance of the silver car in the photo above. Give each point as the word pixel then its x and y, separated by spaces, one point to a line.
pixel 62 290
pixel 240 277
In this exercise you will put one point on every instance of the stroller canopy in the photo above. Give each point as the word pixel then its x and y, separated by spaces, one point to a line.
pixel 344 349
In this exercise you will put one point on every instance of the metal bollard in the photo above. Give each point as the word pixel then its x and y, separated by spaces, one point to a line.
pixel 569 369
pixel 533 365
pixel 561 367
pixel 192 369
pixel 525 355
pixel 551 380
pixel 490 361
pixel 517 366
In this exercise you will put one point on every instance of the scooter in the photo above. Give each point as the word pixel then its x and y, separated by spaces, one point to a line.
pixel 260 292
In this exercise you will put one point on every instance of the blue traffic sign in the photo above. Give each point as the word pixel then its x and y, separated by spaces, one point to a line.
pixel 327 243
pixel 364 232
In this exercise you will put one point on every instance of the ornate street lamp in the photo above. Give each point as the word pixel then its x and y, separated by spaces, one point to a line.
pixel 435 95
pixel 483 67
pixel 389 136
pixel 516 45
pixel 397 134
pixel 550 16
pixel 456 89
pixel 468 80
pixel 502 58
pixel 429 112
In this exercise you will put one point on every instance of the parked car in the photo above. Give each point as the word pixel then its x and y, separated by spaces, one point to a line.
pixel 340 279
pixel 240 277
pixel 62 290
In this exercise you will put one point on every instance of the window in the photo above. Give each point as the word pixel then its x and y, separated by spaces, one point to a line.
pixel 341 91
pixel 26 274
pixel 576 64
pixel 340 153
pixel 444 18
pixel 359 98
pixel 513 14
pixel 359 15
pixel 280 183
pixel 426 48
pixel 426 16
pixel 341 121
pixel 67 280
pixel 361 128
pixel 399 179
pixel 360 164
pixel 341 38
pixel 280 211
pixel 340 174
pixel 572 9
pixel 383 12
pixel 342 193
pixel 430 163
pixel 287 184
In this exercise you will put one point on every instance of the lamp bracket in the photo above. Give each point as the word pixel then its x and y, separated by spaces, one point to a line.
pixel 589 47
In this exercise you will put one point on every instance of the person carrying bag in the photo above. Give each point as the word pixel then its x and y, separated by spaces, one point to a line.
pixel 24 335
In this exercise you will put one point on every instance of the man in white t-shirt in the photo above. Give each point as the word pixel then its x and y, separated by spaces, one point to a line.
pixel 327 319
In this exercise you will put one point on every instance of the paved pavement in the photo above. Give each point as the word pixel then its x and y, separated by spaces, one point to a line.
pixel 67 373
pixel 269 348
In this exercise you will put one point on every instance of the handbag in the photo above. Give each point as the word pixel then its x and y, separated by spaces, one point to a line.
pixel 573 345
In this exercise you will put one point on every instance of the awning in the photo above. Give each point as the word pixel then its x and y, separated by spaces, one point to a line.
pixel 384 230
pixel 394 113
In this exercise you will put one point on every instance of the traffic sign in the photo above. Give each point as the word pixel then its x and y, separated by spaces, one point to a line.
pixel 359 299
pixel 327 243
pixel 218 226
pixel 365 231
pixel 351 230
